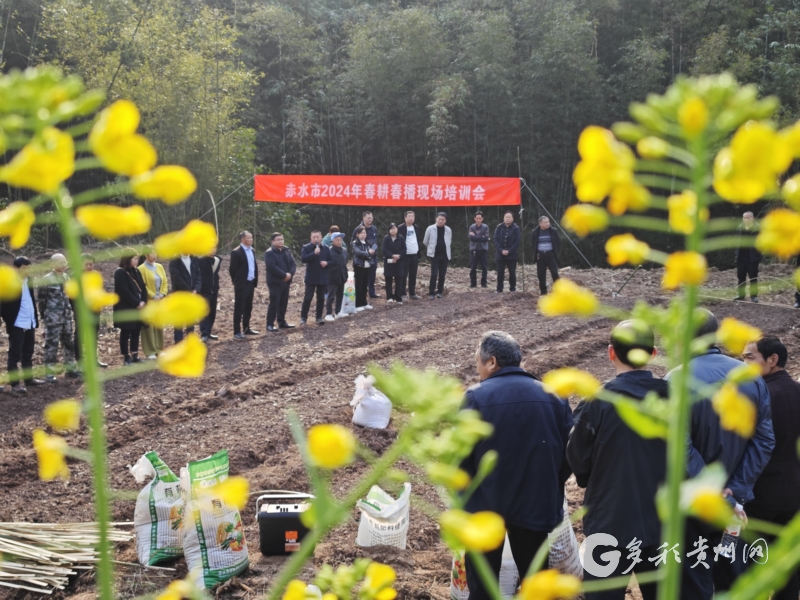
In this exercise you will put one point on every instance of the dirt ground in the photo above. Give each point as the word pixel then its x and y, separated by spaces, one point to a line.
pixel 241 402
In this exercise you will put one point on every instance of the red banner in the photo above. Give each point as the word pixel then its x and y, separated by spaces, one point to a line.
pixel 369 191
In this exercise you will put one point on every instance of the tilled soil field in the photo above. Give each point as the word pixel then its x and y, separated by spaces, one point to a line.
pixel 241 404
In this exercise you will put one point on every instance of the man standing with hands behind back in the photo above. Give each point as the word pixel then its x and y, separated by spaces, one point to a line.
pixel 280 270
pixel 546 244
pixel 478 250
pixel 244 275
pixel 507 238
pixel 411 261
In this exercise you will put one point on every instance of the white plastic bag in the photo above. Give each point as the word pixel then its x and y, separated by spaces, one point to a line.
pixel 509 575
pixel 370 407
pixel 384 520
pixel 158 516
pixel 349 298
pixel 564 549
pixel 213 534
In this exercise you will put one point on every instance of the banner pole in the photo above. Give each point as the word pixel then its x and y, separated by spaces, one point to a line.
pixel 521 220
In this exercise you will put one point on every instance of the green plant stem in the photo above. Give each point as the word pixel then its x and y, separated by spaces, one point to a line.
pixel 722 224
pixel 488 578
pixel 638 222
pixel 727 241
pixel 93 402
pixel 601 585
pixel 115 189
pixel 662 167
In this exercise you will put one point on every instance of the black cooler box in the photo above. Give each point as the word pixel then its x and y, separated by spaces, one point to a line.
pixel 279 527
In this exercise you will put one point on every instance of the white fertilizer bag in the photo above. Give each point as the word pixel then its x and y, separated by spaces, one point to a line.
pixel 384 520
pixel 370 407
pixel 349 297
pixel 158 516
pixel 213 535
pixel 509 575
pixel 564 554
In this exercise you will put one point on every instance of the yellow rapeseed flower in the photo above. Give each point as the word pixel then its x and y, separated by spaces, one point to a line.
pixel 625 248
pixel 791 192
pixel 10 283
pixel 709 505
pixel 331 446
pixel 796 280
pixel 693 117
pixel 628 196
pixel 93 291
pixel 197 238
pixel 568 298
pixel 16 221
pixel 687 268
pixel 791 135
pixel 567 381
pixel 43 164
pixel 179 309
pixel 584 219
pixel 549 585
pixel 734 335
pixel 605 163
pixel 736 412
pixel 108 222
pixel 186 359
pixel 234 491
pixel 743 374
pixel 780 233
pixel 683 210
pixel 652 147
pixel 114 141
pixel 296 590
pixel 169 183
pixel 448 475
pixel 50 450
pixel 64 415
pixel 378 582
pixel 177 590
pixel 481 531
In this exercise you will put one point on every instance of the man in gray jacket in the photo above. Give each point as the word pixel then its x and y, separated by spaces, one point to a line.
pixel 478 250
pixel 437 241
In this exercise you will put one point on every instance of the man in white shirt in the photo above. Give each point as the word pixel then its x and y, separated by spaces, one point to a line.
pixel 411 261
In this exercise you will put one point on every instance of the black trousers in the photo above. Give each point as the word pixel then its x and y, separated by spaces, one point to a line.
pixel 335 294
pixel 21 344
pixel 792 588
pixel 743 271
pixel 438 272
pixel 362 278
pixel 242 306
pixel 524 544
pixel 502 263
pixel 179 334
pixel 129 341
pixel 478 258
pixel 410 268
pixel 208 322
pixel 649 590
pixel 545 261
pixel 372 272
pixel 393 288
pixel 311 291
pixel 278 302
pixel 700 583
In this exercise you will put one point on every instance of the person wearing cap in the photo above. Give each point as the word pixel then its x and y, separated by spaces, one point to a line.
pixel 328 239
pixel 337 277
pixel 394 252
pixel 437 242
pixel 316 257
pixel 621 470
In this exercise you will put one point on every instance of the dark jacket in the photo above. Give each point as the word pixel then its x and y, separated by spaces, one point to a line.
pixel 337 269
pixel 479 238
pixel 620 470
pixel 531 428
pixel 553 236
pixel 418 233
pixel 361 255
pixel 372 233
pixel 743 459
pixel 238 267
pixel 10 308
pixel 778 487
pixel 747 254
pixel 184 280
pixel 316 274
pixel 398 246
pixel 279 263
pixel 129 286
pixel 507 238
pixel 209 276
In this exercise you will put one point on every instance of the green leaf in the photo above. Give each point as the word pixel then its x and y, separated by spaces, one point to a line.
pixel 646 425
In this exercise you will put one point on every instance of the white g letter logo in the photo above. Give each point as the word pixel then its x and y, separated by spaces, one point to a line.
pixel 611 558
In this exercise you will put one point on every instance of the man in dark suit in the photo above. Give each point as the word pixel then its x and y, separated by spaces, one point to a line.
pixel 546 244
pixel 280 271
pixel 185 274
pixel 316 258
pixel 244 275
pixel 209 276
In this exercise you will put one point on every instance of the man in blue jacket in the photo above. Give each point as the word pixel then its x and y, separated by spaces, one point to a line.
pixel 507 238
pixel 280 271
pixel 316 258
pixel 531 428
pixel 744 459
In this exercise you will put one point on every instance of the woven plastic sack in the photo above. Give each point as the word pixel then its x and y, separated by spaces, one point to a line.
pixel 158 515
pixel 349 298
pixel 564 549
pixel 509 575
pixel 371 408
pixel 213 534
pixel 384 520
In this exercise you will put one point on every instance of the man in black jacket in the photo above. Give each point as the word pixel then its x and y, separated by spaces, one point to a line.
pixel 185 274
pixel 620 470
pixel 479 250
pixel 747 258
pixel 546 244
pixel 411 233
pixel 209 278
pixel 243 270
pixel 337 277
pixel 372 241
pixel 316 257
pixel 530 434
pixel 507 238
pixel 776 494
pixel 280 271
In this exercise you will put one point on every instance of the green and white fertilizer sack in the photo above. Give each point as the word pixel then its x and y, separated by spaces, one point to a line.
pixel 213 534
pixel 158 516
pixel 349 297
pixel 384 520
